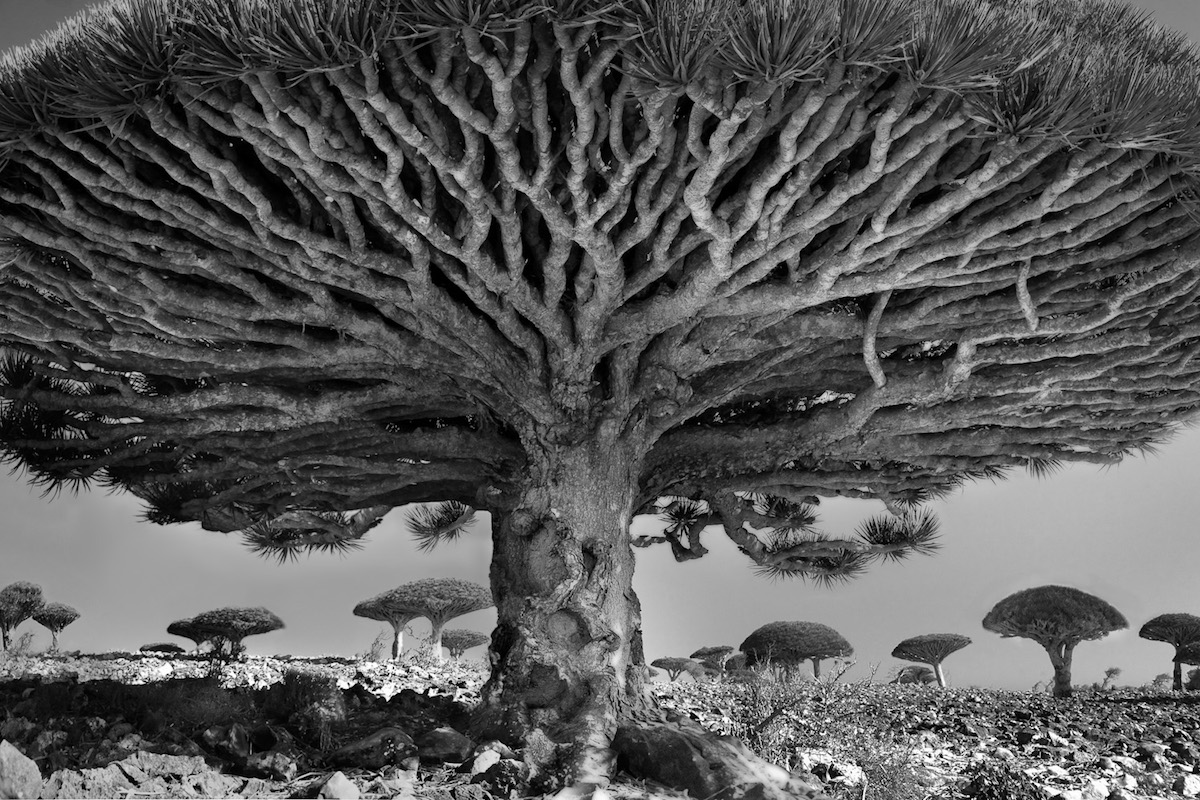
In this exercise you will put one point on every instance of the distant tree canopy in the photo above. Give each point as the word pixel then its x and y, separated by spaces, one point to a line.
pixel 1177 630
pixel 1058 618
pixel 18 602
pixel 932 649
pixel 280 267
pixel 460 640
pixel 231 625
pixel 437 599
pixel 788 644
pixel 382 607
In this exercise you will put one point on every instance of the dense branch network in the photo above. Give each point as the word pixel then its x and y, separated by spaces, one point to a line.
pixel 283 277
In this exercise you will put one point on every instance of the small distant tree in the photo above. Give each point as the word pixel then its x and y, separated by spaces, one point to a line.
pixel 1192 683
pixel 460 640
pixel 714 657
pixel 1161 681
pixel 161 647
pixel 1177 630
pixel 235 624
pixel 915 673
pixel 931 649
pixel 18 602
pixel 674 667
pixel 1110 674
pixel 55 617
pixel 382 608
pixel 1058 618
pixel 787 644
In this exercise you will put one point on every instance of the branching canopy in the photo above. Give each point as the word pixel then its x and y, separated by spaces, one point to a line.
pixel 439 599
pixel 18 602
pixel 790 643
pixel 1054 616
pixel 279 267
pixel 55 616
pixel 930 648
pixel 1176 629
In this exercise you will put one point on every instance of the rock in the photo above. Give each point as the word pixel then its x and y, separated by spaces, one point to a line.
pixel 119 731
pixel 1187 785
pixel 17 729
pixel 682 755
pixel 472 791
pixel 442 745
pixel 107 781
pixel 338 787
pixel 385 747
pixel 272 764
pixel 504 778
pixel 1149 749
pixel 45 742
pixel 19 776
pixel 212 784
pixel 1096 789
pixel 484 761
pixel 231 742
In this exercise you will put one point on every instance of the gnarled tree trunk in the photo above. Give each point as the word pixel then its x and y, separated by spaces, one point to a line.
pixel 568 623
pixel 1060 658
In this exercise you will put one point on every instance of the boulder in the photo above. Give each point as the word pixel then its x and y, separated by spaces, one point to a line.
pixel 273 764
pixel 1187 785
pixel 385 747
pixel 338 787
pixel 19 776
pixel 682 755
pixel 442 745
pixel 230 742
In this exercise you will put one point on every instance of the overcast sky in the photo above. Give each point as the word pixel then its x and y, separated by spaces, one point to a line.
pixel 1128 534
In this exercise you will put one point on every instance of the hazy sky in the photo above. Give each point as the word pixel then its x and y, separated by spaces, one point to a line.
pixel 1128 534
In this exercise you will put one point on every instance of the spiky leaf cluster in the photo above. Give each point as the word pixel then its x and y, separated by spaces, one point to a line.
pixel 1054 616
pixel 434 524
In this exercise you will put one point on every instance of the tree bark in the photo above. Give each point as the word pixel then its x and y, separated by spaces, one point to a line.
pixel 435 639
pixel 816 662
pixel 1178 676
pixel 564 670
pixel 941 676
pixel 1060 658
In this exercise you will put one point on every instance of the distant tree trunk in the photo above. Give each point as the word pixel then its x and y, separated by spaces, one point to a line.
pixel 941 677
pixel 54 640
pixel 1060 658
pixel 568 622
pixel 435 639
pixel 816 662
pixel 4 639
pixel 1177 675
pixel 397 640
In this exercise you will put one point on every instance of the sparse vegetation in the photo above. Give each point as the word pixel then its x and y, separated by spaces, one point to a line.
pixel 1058 618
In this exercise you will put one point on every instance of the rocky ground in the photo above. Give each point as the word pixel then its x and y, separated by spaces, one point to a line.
pixel 131 726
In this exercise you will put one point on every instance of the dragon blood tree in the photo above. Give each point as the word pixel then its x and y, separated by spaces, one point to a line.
pixel 439 600
pixel 234 624
pixel 1058 618
pixel 931 649
pixel 18 602
pixel 460 640
pixel 382 609
pixel 1177 630
pixel 54 617
pixel 282 267
pixel 788 644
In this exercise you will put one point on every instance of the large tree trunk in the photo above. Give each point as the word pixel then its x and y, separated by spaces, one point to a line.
pixel 567 668
pixel 567 618
pixel 1178 676
pixel 1060 658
